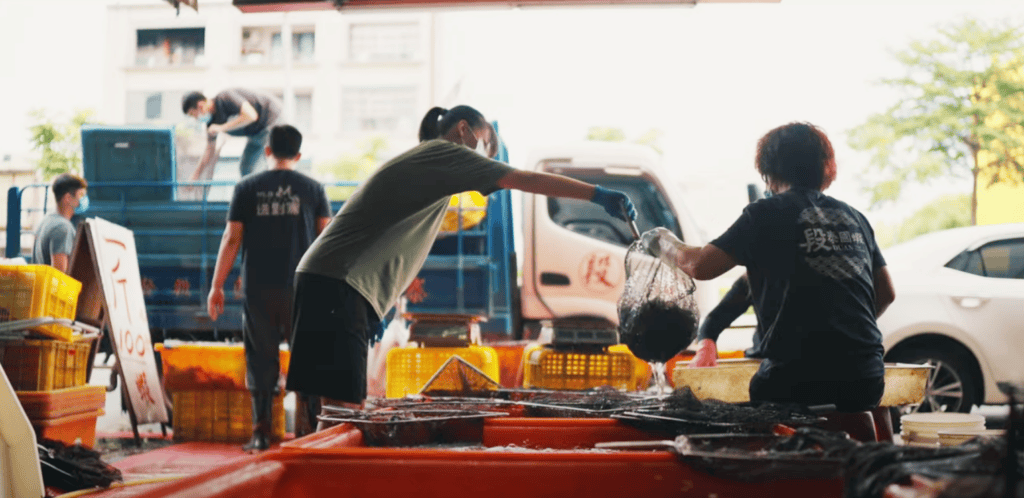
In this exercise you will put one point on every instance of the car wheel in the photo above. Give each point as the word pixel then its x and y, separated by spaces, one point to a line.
pixel 952 384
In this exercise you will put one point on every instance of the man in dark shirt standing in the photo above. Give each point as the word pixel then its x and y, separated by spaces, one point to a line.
pixel 274 216
pixel 238 112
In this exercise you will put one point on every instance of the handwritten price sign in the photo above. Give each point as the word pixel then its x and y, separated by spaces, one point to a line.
pixel 118 268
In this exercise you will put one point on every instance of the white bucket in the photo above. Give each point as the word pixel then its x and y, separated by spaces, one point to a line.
pixel 922 429
pixel 954 437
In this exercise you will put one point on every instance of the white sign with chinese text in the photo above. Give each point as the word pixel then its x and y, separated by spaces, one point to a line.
pixel 117 265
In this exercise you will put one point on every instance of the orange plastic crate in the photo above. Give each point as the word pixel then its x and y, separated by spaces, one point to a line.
pixel 220 416
pixel 35 291
pixel 45 365
pixel 80 426
pixel 547 368
pixel 216 366
pixel 510 361
pixel 62 402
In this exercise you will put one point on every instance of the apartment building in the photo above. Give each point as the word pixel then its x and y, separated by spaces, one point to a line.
pixel 343 78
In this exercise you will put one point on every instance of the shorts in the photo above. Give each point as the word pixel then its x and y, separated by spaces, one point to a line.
pixel 806 388
pixel 266 322
pixel 332 324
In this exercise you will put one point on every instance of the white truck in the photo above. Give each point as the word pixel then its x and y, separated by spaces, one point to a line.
pixel 574 254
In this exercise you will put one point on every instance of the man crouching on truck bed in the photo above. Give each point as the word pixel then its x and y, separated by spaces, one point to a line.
pixel 274 216
pixel 378 241
pixel 238 112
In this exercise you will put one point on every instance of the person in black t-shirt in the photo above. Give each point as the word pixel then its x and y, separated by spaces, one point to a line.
pixel 238 112
pixel 817 278
pixel 735 303
pixel 273 218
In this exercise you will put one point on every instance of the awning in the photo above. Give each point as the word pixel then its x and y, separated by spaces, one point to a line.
pixel 293 5
pixel 188 3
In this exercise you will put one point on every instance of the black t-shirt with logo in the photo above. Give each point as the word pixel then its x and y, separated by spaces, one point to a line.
pixel 279 210
pixel 228 104
pixel 811 260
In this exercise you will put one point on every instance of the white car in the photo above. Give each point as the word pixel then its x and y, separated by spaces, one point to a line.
pixel 959 305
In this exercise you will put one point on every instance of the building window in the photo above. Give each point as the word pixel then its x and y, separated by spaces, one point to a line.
pixel 154 107
pixel 373 42
pixel 303 44
pixel 261 45
pixel 302 117
pixel 169 47
pixel 378 109
pixel 304 112
pixel 154 104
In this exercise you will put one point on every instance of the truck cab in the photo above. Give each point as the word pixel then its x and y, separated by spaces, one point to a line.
pixel 574 253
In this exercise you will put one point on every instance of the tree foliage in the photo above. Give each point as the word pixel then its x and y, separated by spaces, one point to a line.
pixel 59 142
pixel 960 97
pixel 651 138
pixel 606 134
pixel 353 167
pixel 950 211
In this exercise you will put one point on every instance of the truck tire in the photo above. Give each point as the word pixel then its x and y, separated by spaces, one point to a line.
pixel 953 386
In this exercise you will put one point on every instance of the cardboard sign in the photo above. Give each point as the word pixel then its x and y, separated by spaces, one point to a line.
pixel 104 259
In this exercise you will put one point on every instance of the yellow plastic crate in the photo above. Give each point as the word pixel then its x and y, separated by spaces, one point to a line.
pixel 45 364
pixel 409 369
pixel 220 416
pixel 35 291
pixel 546 368
pixel 642 369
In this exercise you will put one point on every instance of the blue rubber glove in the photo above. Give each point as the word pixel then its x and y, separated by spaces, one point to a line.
pixel 615 203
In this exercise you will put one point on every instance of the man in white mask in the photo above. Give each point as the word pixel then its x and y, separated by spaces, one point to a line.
pixel 55 235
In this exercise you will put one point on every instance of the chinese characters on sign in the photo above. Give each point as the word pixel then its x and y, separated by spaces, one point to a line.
pixel 600 272
pixel 118 269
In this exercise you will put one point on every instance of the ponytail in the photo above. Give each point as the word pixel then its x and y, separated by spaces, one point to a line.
pixel 439 120
pixel 429 128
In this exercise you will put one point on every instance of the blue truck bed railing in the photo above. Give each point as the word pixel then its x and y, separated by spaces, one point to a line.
pixel 469 271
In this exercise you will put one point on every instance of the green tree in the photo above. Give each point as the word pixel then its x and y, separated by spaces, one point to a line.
pixel 606 134
pixel 58 142
pixel 353 167
pixel 960 95
pixel 950 211
pixel 651 138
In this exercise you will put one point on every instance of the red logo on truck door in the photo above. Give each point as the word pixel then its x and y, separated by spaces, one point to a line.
pixel 600 272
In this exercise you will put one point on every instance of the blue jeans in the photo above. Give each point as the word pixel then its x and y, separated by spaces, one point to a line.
pixel 253 156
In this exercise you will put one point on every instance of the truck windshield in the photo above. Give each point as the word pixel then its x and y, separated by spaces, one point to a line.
pixel 589 219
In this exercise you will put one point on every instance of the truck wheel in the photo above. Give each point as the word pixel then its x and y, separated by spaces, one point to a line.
pixel 953 386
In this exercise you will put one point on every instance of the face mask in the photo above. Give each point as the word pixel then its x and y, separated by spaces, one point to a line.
pixel 481 148
pixel 767 193
pixel 83 205
pixel 205 118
